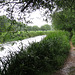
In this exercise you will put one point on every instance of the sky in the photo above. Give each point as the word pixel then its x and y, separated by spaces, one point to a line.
pixel 35 17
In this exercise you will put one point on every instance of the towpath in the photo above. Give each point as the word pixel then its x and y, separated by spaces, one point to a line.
pixel 69 65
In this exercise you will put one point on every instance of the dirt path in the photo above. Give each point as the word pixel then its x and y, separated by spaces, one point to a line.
pixel 69 66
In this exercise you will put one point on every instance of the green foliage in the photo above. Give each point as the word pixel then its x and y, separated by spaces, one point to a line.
pixel 73 39
pixel 46 4
pixel 4 23
pixel 36 28
pixel 64 20
pixel 19 26
pixel 29 28
pixel 65 4
pixel 11 30
pixel 20 35
pixel 50 4
pixel 45 56
pixel 7 25
pixel 45 27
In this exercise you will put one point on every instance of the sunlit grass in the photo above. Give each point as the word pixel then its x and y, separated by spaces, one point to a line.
pixel 20 35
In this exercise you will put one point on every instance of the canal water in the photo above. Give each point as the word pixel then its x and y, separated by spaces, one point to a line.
pixel 16 45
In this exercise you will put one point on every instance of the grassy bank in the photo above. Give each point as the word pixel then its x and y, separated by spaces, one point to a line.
pixel 41 58
pixel 20 35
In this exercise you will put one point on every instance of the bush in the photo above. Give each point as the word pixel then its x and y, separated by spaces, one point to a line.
pixel 59 47
pixel 45 57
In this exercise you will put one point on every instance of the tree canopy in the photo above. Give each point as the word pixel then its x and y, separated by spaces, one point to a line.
pixel 50 4
pixel 30 5
pixel 45 27
pixel 4 23
pixel 36 28
pixel 10 25
pixel 64 20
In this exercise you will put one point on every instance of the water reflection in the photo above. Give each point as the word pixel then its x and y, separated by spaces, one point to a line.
pixel 16 45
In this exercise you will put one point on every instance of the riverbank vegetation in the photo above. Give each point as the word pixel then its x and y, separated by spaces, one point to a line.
pixel 13 30
pixel 20 35
pixel 39 58
pixel 48 55
pixel 65 20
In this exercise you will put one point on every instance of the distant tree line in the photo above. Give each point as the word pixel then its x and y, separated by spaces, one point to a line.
pixel 12 25
pixel 36 28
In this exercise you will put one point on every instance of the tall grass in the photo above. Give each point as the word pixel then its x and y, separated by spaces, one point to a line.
pixel 73 38
pixel 41 58
pixel 20 35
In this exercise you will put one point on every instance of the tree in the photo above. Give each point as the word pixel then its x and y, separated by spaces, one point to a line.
pixel 35 28
pixel 4 23
pixel 50 4
pixel 29 5
pixel 64 20
pixel 29 28
pixel 45 27
pixel 19 26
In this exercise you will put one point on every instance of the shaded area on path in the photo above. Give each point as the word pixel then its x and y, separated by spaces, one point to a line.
pixel 69 65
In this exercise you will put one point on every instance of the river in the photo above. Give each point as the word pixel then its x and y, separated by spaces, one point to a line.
pixel 16 45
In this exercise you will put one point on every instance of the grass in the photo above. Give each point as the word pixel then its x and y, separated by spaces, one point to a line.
pixel 20 35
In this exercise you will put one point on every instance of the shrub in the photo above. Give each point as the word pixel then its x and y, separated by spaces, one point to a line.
pixel 59 47
pixel 45 56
